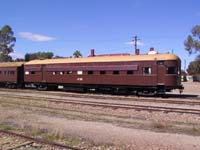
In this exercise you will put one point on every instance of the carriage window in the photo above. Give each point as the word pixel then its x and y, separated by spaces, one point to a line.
pixel 102 72
pixel 79 72
pixel 146 70
pixel 26 72
pixel 160 62
pixel 32 72
pixel 61 73
pixel 171 70
pixel 55 72
pixel 130 72
pixel 115 72
pixel 69 72
pixel 11 72
pixel 90 72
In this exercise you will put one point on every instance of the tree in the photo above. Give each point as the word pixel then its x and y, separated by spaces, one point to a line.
pixel 19 60
pixel 38 55
pixel 194 66
pixel 5 58
pixel 77 54
pixel 56 57
pixel 192 43
pixel 7 42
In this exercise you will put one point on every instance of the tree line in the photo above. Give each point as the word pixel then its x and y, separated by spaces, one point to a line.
pixel 192 45
pixel 47 55
pixel 7 42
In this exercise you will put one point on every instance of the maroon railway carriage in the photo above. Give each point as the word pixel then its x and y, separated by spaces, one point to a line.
pixel 11 74
pixel 151 73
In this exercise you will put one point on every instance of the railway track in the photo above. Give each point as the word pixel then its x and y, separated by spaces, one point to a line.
pixel 114 105
pixel 192 101
pixel 25 141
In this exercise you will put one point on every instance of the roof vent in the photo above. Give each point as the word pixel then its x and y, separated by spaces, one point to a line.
pixel 152 51
pixel 92 53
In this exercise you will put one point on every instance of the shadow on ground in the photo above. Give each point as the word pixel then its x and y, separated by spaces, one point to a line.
pixel 181 96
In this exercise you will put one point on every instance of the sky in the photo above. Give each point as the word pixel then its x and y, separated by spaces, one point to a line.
pixel 108 26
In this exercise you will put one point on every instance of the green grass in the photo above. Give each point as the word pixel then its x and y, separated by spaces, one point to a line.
pixel 51 136
pixel 72 141
pixel 7 127
pixel 35 132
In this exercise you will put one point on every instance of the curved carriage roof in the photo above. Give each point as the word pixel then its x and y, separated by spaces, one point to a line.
pixel 106 59
pixel 11 64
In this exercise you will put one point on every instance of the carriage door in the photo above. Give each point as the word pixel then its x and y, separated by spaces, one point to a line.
pixel 161 70
pixel 43 73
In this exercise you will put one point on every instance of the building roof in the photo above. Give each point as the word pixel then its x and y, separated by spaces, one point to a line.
pixel 145 57
pixel 11 64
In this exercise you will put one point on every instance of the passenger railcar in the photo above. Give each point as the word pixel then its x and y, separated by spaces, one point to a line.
pixel 11 74
pixel 149 73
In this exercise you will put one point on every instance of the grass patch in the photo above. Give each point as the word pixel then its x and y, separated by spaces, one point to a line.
pixel 35 132
pixel 7 127
pixel 51 136
pixel 72 141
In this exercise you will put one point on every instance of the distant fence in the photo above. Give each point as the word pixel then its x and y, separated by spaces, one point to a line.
pixel 196 78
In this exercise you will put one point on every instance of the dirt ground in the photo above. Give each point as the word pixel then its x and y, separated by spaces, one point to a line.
pixel 191 88
pixel 104 133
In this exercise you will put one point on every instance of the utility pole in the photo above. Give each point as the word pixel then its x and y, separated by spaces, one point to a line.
pixel 135 41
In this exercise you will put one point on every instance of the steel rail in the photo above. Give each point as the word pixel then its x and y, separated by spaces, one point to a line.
pixel 195 101
pixel 41 141
pixel 115 105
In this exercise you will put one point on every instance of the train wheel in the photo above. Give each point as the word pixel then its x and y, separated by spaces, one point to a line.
pixel 42 87
pixel 13 86
pixel 146 93
pixel 9 86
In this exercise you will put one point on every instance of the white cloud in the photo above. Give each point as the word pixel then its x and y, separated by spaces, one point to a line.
pixel 133 43
pixel 35 37
pixel 16 55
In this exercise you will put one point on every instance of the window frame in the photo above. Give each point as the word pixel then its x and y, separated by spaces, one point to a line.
pixel 146 72
pixel 102 72
pixel 79 72
pixel 69 72
pixel 169 71
pixel 129 72
pixel 90 72
pixel 116 72
pixel 27 72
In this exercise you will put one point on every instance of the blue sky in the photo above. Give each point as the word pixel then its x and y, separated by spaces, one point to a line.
pixel 63 26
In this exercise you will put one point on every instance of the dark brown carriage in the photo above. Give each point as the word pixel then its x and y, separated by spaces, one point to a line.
pixel 11 74
pixel 138 73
